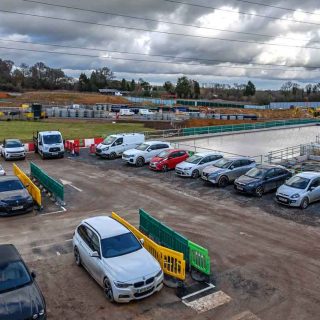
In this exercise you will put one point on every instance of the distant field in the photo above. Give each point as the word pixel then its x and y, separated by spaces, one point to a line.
pixel 81 129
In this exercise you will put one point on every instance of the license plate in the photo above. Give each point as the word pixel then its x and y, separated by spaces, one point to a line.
pixel 283 199
pixel 144 289
pixel 240 188
pixel 54 153
pixel 17 208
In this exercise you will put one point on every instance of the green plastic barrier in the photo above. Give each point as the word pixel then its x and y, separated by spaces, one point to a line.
pixel 162 234
pixel 49 183
pixel 199 258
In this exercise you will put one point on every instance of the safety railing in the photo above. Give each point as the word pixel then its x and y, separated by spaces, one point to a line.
pixel 33 190
pixel 52 185
pixel 171 262
pixel 196 256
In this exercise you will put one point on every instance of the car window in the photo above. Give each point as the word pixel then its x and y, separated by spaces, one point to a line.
pixel 109 140
pixel 52 139
pixel 271 174
pixel 236 164
pixel 83 233
pixel 298 182
pixel 119 142
pixel 95 243
pixel 182 153
pixel 13 144
pixel 143 147
pixel 13 275
pixel 205 160
pixel 315 183
pixel 279 172
pixel 245 162
pixel 163 146
pixel 215 157
pixel 174 155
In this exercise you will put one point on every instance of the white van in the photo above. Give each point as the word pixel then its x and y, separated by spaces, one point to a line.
pixel 49 144
pixel 126 112
pixel 145 112
pixel 115 144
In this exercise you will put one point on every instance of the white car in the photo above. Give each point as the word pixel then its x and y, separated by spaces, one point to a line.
pixel 300 190
pixel 12 149
pixel 116 259
pixel 2 171
pixel 144 152
pixel 194 165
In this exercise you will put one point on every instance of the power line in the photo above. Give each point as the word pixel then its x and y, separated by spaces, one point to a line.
pixel 155 20
pixel 241 12
pixel 158 55
pixel 157 31
pixel 142 60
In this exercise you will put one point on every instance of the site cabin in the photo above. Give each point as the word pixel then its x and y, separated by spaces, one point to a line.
pixel 114 145
pixel 49 144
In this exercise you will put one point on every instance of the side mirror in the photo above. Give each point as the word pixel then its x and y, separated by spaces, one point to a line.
pixel 311 188
pixel 232 167
pixel 142 241
pixel 40 143
pixel 95 254
pixel 33 275
pixel 149 150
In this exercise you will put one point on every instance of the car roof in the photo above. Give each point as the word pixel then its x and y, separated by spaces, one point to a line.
pixel 309 174
pixel 8 253
pixel 8 178
pixel 204 154
pixel 106 226
pixel 233 158
pixel 270 166
pixel 155 141
pixel 12 140
pixel 50 132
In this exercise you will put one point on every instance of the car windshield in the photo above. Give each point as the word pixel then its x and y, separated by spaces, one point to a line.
pixel 13 144
pixel 163 154
pixel 223 163
pixel 143 147
pixel 297 182
pixel 109 140
pixel 13 275
pixel 52 139
pixel 10 185
pixel 194 159
pixel 256 173
pixel 119 245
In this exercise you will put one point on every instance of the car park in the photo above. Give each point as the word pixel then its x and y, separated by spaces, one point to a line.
pixel 261 179
pixel 20 295
pixel 227 170
pixel 193 166
pixel 300 190
pixel 168 159
pixel 114 145
pixel 144 152
pixel 116 259
pixel 12 149
pixel 2 171
pixel 14 197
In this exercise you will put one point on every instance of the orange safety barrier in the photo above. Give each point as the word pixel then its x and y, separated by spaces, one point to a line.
pixel 93 149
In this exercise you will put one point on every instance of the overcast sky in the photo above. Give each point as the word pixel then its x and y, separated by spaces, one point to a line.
pixel 239 55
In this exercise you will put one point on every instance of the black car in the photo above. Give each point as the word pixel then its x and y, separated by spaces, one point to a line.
pixel 20 296
pixel 261 179
pixel 14 197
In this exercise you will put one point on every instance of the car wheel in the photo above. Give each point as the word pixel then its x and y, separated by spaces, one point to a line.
pixel 108 290
pixel 304 203
pixel 140 162
pixel 165 168
pixel 223 182
pixel 77 256
pixel 112 155
pixel 195 174
pixel 259 191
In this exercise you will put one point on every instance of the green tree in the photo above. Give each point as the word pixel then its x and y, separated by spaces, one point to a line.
pixel 84 82
pixel 196 89
pixel 169 87
pixel 183 87
pixel 250 89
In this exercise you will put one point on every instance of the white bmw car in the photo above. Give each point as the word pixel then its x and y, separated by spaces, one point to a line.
pixel 116 259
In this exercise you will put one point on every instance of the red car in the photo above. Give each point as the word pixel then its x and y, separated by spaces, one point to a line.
pixel 168 159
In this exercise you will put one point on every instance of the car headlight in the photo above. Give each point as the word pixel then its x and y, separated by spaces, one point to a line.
pixel 295 196
pixel 122 285
pixel 106 148
pixel 186 169
pixel 213 175
pixel 251 185
pixel 159 273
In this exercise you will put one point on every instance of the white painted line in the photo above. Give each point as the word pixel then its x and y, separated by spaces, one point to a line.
pixel 63 209
pixel 210 286
pixel 208 302
pixel 74 187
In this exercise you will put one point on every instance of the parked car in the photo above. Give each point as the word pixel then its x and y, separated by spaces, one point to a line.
pixel 145 152
pixel 14 197
pixel 168 159
pixel 12 149
pixel 227 170
pixel 300 190
pixel 2 171
pixel 116 144
pixel 193 166
pixel 116 259
pixel 262 179
pixel 20 295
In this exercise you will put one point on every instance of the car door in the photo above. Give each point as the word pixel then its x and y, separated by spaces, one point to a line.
pixel 84 245
pixel 270 180
pixel 204 163
pixel 118 146
pixel 314 190
pixel 235 170
pixel 281 176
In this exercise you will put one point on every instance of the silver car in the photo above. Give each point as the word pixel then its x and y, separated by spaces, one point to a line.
pixel 115 258
pixel 300 190
pixel 227 170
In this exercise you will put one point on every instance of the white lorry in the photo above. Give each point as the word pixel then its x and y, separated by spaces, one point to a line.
pixel 49 144
pixel 115 144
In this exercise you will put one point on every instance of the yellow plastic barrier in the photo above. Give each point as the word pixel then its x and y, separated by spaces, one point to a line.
pixel 171 262
pixel 26 181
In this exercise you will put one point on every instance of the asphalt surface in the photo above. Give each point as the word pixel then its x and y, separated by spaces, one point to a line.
pixel 264 256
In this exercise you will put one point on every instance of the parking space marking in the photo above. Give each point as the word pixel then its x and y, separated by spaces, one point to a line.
pixel 69 183
pixel 246 315
pixel 210 286
pixel 63 209
pixel 208 302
